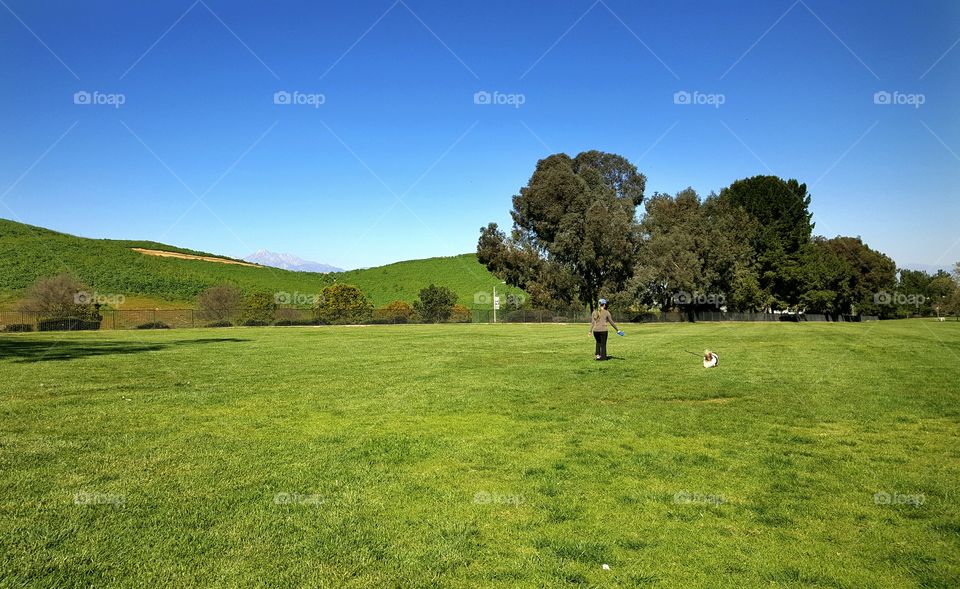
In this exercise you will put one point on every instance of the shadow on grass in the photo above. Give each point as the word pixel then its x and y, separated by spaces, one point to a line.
pixel 40 350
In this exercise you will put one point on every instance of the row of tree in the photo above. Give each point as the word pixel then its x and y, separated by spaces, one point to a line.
pixel 64 297
pixel 577 236
pixel 337 304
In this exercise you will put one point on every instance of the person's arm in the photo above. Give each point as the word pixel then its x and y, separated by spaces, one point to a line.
pixel 610 321
pixel 591 324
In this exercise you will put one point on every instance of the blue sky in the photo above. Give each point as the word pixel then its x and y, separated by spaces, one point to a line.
pixel 400 162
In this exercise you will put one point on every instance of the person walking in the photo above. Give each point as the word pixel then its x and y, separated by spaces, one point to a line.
pixel 599 321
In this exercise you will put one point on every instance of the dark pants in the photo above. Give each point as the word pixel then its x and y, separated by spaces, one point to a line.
pixel 601 337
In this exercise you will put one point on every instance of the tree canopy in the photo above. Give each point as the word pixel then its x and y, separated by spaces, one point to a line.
pixel 435 304
pixel 576 237
pixel 573 229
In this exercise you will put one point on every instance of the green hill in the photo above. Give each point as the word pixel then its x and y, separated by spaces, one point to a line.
pixel 111 266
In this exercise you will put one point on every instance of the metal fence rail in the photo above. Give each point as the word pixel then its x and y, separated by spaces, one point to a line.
pixel 14 321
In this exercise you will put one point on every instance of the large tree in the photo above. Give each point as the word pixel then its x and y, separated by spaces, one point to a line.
pixel 920 293
pixel 870 272
pixel 781 207
pixel 696 253
pixel 941 291
pixel 819 280
pixel 574 229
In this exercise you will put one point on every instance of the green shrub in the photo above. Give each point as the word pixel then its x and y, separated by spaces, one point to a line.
pixel 255 323
pixel 435 304
pixel 344 304
pixel 220 324
pixel 460 314
pixel 259 308
pixel 289 322
pixel 395 312
pixel 153 325
pixel 18 328
pixel 68 324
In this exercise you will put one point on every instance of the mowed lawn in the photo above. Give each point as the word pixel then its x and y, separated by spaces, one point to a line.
pixel 815 455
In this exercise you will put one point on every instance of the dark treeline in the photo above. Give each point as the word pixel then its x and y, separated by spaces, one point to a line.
pixel 577 236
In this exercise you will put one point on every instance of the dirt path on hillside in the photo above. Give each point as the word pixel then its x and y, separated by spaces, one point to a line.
pixel 165 254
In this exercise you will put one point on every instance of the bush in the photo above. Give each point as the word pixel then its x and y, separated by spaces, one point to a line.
pixel 395 312
pixel 153 325
pixel 18 328
pixel 61 297
pixel 287 316
pixel 435 303
pixel 68 324
pixel 344 303
pixel 255 323
pixel 259 309
pixel 460 314
pixel 220 324
pixel 289 322
pixel 218 302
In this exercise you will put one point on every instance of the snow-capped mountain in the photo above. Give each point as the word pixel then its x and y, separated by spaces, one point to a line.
pixel 288 262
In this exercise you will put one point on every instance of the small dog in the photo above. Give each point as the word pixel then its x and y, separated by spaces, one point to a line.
pixel 710 359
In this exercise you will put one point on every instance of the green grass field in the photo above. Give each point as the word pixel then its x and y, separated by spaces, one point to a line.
pixel 482 456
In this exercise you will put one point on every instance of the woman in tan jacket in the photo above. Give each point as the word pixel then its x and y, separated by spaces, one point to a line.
pixel 599 321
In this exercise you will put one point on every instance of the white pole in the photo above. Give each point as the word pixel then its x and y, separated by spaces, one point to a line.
pixel 494 304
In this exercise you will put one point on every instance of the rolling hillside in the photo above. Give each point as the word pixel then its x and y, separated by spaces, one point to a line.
pixel 112 266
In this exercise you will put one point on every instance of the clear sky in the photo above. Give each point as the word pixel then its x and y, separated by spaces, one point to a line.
pixel 386 155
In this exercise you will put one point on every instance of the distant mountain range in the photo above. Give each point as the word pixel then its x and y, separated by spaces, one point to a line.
pixel 289 262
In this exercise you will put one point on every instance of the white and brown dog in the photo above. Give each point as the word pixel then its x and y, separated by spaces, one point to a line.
pixel 710 359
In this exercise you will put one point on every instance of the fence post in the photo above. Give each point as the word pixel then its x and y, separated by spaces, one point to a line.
pixel 191 318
